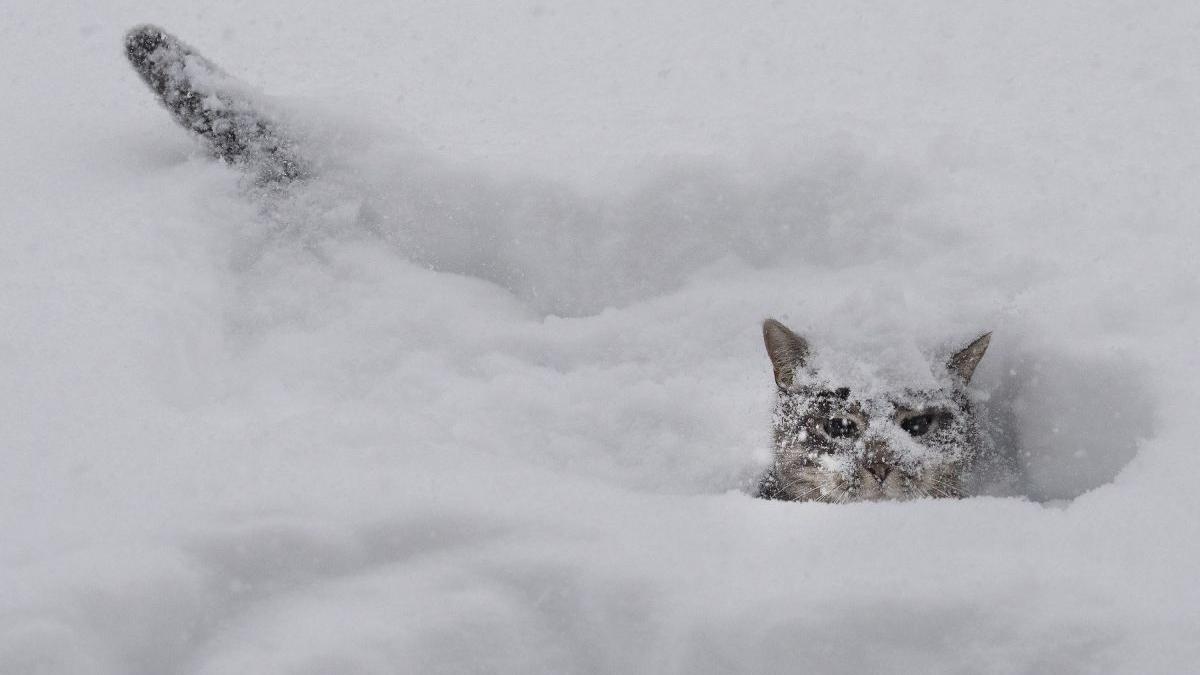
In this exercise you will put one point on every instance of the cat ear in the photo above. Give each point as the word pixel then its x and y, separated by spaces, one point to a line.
pixel 963 363
pixel 787 350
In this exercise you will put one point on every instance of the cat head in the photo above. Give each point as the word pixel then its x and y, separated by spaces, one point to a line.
pixel 836 444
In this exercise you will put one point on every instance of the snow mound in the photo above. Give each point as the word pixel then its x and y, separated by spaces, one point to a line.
pixel 487 394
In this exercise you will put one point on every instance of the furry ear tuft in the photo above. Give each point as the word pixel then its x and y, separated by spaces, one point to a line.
pixel 787 350
pixel 963 363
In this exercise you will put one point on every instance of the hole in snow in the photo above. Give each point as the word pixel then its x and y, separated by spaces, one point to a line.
pixel 1070 421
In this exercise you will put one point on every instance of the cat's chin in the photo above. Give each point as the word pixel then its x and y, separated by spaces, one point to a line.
pixel 877 495
pixel 893 488
pixel 897 487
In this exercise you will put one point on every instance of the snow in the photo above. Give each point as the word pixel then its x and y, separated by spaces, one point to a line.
pixel 487 397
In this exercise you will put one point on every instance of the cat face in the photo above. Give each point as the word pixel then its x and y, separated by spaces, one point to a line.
pixel 833 444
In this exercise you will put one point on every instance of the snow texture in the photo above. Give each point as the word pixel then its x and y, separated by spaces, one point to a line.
pixel 488 394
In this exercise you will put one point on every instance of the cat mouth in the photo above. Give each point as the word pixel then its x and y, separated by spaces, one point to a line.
pixel 876 494
pixel 880 496
pixel 893 486
pixel 897 485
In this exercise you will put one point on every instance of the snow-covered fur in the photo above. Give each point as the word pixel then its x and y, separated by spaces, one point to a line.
pixel 838 443
pixel 216 107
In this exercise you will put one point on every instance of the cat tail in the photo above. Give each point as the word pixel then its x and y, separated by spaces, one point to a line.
pixel 222 111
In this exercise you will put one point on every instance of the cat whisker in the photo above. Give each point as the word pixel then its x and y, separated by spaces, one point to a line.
pixel 950 489
pixel 804 496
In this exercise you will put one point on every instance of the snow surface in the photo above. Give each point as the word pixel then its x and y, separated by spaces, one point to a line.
pixel 487 398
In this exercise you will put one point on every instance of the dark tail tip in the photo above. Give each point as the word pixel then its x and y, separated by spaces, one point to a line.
pixel 142 41
pixel 198 96
pixel 151 51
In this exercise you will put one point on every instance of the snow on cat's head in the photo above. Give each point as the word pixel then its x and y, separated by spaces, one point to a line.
pixel 847 429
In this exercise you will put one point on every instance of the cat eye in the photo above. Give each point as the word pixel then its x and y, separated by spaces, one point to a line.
pixel 918 425
pixel 840 427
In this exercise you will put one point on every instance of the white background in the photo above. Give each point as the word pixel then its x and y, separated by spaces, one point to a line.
pixel 510 430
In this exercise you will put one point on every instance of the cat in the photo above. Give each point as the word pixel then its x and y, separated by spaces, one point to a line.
pixel 837 445
pixel 832 444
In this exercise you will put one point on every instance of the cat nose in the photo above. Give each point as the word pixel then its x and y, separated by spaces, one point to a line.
pixel 879 470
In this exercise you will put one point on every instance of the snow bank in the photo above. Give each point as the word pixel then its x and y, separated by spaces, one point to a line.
pixel 487 395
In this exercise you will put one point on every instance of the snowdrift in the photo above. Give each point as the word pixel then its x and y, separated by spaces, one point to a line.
pixel 487 395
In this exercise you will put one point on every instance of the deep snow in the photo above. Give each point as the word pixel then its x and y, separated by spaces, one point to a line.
pixel 487 396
